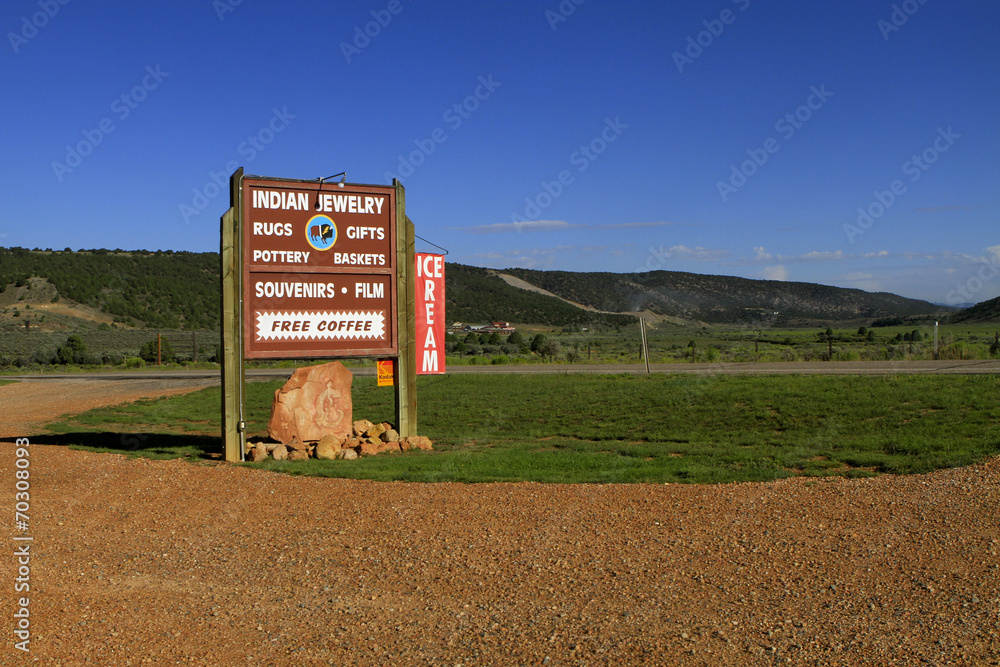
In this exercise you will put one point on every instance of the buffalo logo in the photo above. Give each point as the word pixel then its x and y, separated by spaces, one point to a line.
pixel 321 232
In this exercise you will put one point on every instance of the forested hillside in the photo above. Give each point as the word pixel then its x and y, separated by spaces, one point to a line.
pixel 986 311
pixel 473 294
pixel 721 299
pixel 175 290
pixel 180 290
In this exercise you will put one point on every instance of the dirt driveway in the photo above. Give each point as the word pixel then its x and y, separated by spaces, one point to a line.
pixel 147 562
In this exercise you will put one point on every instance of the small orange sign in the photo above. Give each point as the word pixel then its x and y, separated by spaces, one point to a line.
pixel 384 368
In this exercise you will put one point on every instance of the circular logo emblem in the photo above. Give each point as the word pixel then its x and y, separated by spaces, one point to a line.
pixel 321 232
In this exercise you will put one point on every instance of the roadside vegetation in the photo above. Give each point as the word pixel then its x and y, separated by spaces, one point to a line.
pixel 108 348
pixel 86 309
pixel 676 344
pixel 611 428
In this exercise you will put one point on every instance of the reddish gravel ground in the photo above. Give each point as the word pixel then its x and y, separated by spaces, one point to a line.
pixel 148 562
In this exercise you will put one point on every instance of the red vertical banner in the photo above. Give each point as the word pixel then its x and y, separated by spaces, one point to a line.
pixel 430 313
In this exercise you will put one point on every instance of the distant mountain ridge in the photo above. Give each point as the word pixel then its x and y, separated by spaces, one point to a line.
pixel 722 299
pixel 986 311
pixel 168 289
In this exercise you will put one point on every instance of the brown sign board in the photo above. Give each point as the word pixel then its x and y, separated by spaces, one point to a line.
pixel 319 269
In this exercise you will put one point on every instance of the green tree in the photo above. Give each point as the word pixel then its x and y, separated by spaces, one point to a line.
pixel 148 351
pixel 537 342
pixel 73 351
pixel 515 339
pixel 549 349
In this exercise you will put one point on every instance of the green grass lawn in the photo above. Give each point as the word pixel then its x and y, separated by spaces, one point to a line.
pixel 611 428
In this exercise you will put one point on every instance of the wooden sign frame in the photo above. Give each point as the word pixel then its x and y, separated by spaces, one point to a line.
pixel 300 273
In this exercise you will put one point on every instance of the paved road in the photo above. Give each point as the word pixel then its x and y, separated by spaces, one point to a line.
pixel 805 368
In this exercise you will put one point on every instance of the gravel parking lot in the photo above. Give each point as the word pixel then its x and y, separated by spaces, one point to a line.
pixel 165 562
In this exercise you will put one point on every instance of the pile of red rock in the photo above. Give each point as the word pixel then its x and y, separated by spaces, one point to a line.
pixel 311 417
pixel 367 439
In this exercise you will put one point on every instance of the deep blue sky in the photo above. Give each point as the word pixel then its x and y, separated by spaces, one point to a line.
pixel 661 134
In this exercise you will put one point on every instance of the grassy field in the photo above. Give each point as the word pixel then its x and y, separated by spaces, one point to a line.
pixel 582 428
pixel 669 343
pixel 35 351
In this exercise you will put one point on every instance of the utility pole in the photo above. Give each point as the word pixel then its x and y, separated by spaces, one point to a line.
pixel 645 347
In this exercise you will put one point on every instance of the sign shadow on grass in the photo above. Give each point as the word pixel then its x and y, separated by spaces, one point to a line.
pixel 146 445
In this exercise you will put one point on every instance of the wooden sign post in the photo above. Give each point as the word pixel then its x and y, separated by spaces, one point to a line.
pixel 315 270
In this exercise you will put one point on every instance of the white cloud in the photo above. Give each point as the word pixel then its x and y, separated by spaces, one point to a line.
pixel 553 226
pixel 565 257
pixel 631 225
pixel 761 256
pixel 775 273
pixel 697 253
pixel 816 256
pixel 525 226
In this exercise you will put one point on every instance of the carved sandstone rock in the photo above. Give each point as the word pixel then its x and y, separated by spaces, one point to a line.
pixel 315 402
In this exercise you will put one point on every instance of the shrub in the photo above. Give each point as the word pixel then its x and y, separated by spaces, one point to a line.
pixel 73 351
pixel 148 351
pixel 44 357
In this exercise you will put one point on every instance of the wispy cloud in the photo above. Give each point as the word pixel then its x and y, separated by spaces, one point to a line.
pixel 633 225
pixel 762 256
pixel 816 256
pixel 934 276
pixel 698 253
pixel 540 258
pixel 526 226
pixel 554 226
